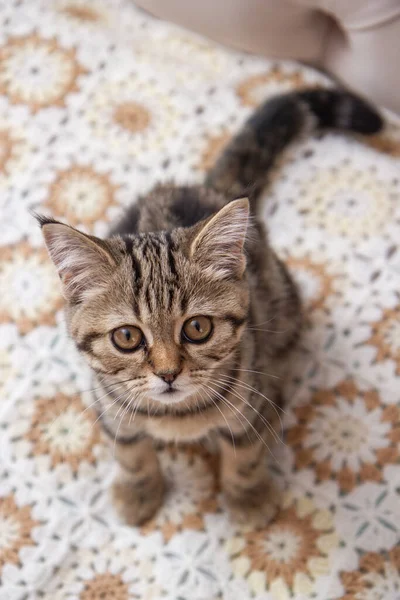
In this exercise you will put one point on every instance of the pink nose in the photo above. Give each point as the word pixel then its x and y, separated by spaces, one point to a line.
pixel 169 376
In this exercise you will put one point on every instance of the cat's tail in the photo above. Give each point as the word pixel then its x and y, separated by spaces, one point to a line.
pixel 244 165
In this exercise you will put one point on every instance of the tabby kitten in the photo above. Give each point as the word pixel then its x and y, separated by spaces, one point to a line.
pixel 187 316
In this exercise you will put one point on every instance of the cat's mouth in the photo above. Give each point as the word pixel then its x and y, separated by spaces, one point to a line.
pixel 171 395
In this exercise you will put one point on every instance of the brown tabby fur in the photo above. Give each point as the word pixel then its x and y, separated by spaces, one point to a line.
pixel 181 252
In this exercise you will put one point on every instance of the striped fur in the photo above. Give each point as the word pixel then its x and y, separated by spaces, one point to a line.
pixel 186 251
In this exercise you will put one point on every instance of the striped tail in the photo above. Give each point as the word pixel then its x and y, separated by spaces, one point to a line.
pixel 244 165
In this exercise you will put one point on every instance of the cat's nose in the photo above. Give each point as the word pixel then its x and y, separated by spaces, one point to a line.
pixel 169 376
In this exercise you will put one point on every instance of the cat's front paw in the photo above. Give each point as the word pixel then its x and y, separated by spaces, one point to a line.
pixel 253 507
pixel 136 501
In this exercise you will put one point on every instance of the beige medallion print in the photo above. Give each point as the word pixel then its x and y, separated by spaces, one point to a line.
pixel 256 88
pixel 386 337
pixel 16 526
pixel 63 429
pixel 288 556
pixel 314 281
pixel 347 201
pixel 38 72
pixel 345 434
pixel 378 577
pixel 81 12
pixel 132 116
pixel 30 287
pixel 105 586
pixel 81 195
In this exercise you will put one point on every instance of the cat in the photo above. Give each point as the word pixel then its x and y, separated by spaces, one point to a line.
pixel 187 316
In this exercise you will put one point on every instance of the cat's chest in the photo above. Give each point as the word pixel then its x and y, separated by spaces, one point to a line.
pixel 180 429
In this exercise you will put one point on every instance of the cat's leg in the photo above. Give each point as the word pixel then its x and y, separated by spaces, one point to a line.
pixel 250 497
pixel 139 486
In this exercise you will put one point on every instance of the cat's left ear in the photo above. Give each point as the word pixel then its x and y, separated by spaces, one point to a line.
pixel 218 245
pixel 85 263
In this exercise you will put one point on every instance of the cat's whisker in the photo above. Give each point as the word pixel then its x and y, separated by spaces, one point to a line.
pixel 96 401
pixel 109 385
pixel 134 412
pixel 228 402
pixel 258 372
pixel 119 426
pixel 275 407
pixel 263 322
pixel 253 408
pixel 80 414
pixel 255 390
pixel 250 388
pixel 130 391
pixel 104 412
pixel 260 416
pixel 267 330
pixel 223 416
pixel 229 407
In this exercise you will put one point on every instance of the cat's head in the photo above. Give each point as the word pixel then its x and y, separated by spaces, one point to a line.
pixel 161 310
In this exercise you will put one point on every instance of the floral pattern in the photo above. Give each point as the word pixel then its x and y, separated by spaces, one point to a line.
pixel 81 12
pixel 31 288
pixel 37 72
pixel 378 577
pixel 103 586
pixel 352 204
pixel 291 554
pixel 98 102
pixel 386 337
pixel 63 429
pixel 315 283
pixel 14 151
pixel 254 89
pixel 345 433
pixel 16 525
pixel 6 149
pixel 80 195
pixel 133 115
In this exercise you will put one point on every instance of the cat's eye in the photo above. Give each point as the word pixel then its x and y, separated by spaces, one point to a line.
pixel 197 329
pixel 127 338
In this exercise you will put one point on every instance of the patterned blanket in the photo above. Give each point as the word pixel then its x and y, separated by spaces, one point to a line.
pixel 98 101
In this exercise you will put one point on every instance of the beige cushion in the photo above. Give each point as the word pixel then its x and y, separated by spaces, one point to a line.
pixel 358 41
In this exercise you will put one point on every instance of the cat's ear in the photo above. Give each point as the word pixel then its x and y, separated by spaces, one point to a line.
pixel 218 245
pixel 84 262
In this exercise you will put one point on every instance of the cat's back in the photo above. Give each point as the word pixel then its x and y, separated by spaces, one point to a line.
pixel 168 207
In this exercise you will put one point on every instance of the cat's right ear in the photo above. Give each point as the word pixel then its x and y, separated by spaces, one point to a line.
pixel 84 262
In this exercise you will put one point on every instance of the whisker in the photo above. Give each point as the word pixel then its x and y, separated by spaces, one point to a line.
pixel 110 385
pixel 226 404
pixel 118 428
pixel 224 399
pixel 97 400
pixel 258 373
pixel 267 330
pixel 106 410
pixel 126 409
pixel 260 416
pixel 133 389
pixel 134 412
pixel 223 416
pixel 263 322
pixel 256 391
pixel 250 388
